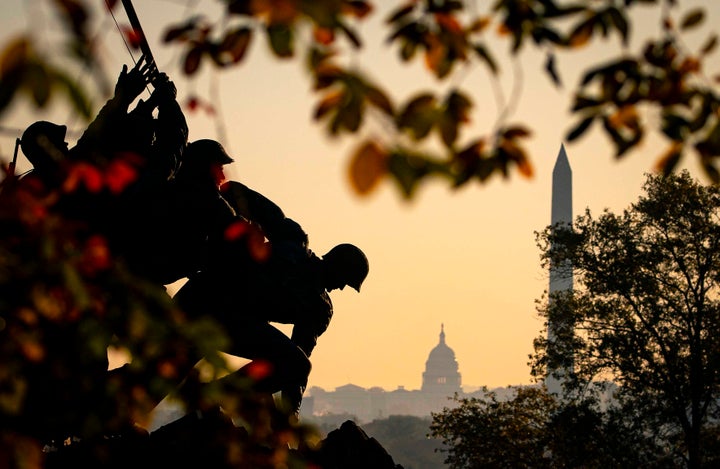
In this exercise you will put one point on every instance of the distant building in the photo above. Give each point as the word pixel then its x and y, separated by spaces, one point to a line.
pixel 441 376
pixel 441 380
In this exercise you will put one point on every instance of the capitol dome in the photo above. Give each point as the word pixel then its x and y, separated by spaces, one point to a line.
pixel 441 374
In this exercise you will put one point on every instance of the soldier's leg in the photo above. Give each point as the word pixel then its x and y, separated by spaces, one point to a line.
pixel 277 363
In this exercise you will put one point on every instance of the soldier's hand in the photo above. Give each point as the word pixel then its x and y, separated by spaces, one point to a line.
pixel 131 83
pixel 164 88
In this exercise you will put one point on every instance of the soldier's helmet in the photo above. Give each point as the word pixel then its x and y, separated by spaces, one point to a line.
pixel 204 152
pixel 349 263
pixel 43 143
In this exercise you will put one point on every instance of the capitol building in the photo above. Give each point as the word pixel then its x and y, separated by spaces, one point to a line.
pixel 440 382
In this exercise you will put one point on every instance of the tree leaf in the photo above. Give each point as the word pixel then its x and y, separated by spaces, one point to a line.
pixel 15 54
pixel 479 24
pixel 348 116
pixel 379 99
pixel 668 161
pixel 511 151
pixel 324 36
pixel 436 57
pixel 357 8
pixel 458 105
pixel 192 60
pixel 407 50
pixel 351 35
pixel 281 40
pixel 368 165
pixel 483 53
pixel 408 170
pixel 582 33
pixel 709 45
pixel 419 116
pixel 448 127
pixel 329 102
pixel 516 131
pixel 185 31
pixel 551 69
pixel 400 13
pixel 579 129
pixel 620 22
pixel 692 18
pixel 235 44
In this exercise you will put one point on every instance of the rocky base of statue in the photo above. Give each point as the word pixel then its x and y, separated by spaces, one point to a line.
pixel 214 442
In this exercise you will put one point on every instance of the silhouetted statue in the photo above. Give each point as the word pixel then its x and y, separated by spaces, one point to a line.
pixel 287 290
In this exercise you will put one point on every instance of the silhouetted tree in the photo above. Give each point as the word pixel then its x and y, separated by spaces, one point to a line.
pixel 487 432
pixel 645 308
pixel 535 430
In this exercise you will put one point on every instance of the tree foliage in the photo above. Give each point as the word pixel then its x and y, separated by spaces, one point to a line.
pixel 450 38
pixel 645 311
pixel 533 429
pixel 406 438
pixel 489 432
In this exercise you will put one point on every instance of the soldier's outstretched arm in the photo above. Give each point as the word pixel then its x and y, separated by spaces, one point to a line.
pixel 259 209
pixel 128 87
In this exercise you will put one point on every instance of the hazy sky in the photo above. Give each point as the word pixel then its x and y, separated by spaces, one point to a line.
pixel 466 259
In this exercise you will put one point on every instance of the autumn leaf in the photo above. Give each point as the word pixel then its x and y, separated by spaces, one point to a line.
pixel 96 256
pixel 132 36
pixel 86 175
pixel 581 35
pixel 357 8
pixel 479 24
pixel 625 117
pixel 510 151
pixel 379 99
pixel 15 55
pixel 692 18
pixel 259 369
pixel 448 22
pixel 669 159
pixel 324 36
pixel 236 43
pixel 435 54
pixel 709 45
pixel 331 101
pixel 516 131
pixel 368 165
pixel 120 174
pixel 236 230
pixel 192 60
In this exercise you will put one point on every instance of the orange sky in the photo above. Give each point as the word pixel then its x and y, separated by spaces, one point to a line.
pixel 465 258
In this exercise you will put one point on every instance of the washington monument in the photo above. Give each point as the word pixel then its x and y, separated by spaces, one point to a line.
pixel 561 276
